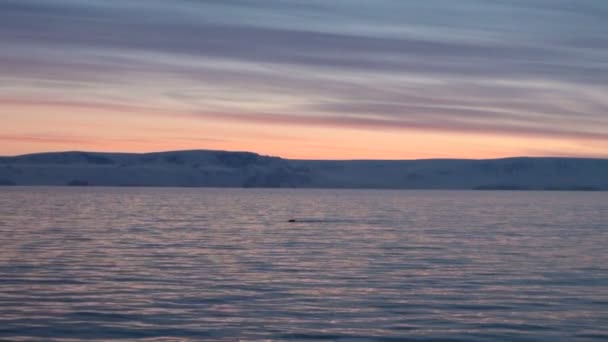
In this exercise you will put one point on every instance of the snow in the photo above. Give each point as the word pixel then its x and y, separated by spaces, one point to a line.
pixel 245 169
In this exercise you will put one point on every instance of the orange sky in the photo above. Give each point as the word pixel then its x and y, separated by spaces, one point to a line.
pixel 326 80
pixel 29 128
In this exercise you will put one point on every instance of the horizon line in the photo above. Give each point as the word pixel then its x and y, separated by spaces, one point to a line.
pixel 306 159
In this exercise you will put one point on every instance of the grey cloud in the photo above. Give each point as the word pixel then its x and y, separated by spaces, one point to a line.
pixel 407 124
pixel 296 47
pixel 321 52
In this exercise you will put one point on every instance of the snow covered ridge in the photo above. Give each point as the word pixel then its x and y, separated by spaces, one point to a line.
pixel 203 168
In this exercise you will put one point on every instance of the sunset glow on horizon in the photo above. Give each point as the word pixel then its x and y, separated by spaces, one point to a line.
pixel 306 79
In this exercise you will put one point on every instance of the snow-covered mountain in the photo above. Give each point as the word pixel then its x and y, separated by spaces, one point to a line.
pixel 245 169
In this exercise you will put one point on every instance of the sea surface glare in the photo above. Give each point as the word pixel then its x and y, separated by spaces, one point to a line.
pixel 357 265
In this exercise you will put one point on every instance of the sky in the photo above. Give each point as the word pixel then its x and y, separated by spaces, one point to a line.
pixel 306 79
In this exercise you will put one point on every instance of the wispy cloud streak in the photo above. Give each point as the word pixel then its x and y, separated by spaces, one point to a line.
pixel 524 68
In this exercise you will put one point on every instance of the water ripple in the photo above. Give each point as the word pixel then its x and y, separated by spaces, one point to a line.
pixel 222 265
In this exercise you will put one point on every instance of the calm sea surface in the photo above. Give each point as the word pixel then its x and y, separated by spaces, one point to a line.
pixel 358 265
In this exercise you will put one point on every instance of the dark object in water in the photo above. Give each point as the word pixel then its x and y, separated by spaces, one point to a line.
pixel 292 220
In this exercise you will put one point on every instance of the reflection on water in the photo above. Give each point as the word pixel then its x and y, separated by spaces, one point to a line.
pixel 211 264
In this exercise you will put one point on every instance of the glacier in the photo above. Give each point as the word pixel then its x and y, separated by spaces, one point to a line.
pixel 206 168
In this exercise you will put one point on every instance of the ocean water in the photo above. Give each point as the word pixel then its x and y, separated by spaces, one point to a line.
pixel 357 265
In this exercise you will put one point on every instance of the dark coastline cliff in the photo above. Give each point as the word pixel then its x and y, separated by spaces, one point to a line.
pixel 202 168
